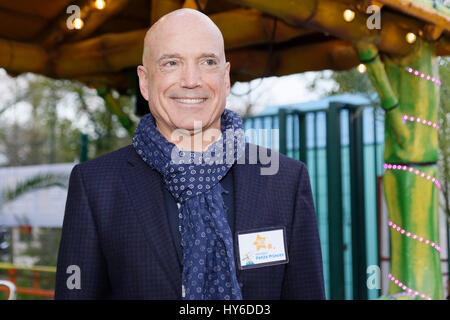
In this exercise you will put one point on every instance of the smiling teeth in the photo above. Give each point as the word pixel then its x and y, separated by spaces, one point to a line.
pixel 190 100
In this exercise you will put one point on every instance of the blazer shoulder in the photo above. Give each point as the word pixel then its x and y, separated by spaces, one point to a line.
pixel 109 162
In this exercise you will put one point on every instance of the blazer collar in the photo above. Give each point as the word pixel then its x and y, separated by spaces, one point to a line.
pixel 145 188
pixel 246 184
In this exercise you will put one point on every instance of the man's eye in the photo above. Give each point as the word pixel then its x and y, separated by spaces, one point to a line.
pixel 210 62
pixel 170 63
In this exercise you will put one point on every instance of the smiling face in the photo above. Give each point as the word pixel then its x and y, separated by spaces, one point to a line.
pixel 185 77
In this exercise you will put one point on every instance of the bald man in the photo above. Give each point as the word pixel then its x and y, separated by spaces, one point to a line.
pixel 185 77
pixel 189 210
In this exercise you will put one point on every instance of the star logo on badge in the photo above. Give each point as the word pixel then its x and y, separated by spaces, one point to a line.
pixel 260 242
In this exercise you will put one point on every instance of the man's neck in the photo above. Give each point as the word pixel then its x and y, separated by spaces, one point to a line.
pixel 193 140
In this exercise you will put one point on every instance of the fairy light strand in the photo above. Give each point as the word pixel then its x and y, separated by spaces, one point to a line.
pixel 412 170
pixel 409 291
pixel 414 236
pixel 419 120
pixel 394 226
pixel 422 75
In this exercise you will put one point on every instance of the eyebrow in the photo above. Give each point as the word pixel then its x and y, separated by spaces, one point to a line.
pixel 169 56
pixel 209 55
pixel 178 56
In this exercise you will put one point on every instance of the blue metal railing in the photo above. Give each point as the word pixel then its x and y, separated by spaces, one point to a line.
pixel 342 147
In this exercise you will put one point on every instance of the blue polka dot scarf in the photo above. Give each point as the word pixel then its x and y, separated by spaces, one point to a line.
pixel 209 270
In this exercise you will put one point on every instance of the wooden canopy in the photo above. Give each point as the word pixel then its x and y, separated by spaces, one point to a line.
pixel 262 37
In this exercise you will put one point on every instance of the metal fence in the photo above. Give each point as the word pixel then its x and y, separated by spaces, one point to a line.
pixel 342 147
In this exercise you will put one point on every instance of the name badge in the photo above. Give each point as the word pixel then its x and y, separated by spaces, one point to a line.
pixel 262 247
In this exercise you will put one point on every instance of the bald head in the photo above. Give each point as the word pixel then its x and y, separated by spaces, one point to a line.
pixel 180 22
pixel 185 77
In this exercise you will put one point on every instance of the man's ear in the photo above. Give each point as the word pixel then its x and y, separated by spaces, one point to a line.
pixel 143 81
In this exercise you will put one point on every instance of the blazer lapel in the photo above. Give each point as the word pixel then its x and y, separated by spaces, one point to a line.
pixel 246 184
pixel 145 187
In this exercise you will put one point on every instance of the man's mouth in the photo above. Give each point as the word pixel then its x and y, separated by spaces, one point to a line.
pixel 190 100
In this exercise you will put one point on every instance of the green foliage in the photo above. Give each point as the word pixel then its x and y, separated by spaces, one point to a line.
pixel 60 111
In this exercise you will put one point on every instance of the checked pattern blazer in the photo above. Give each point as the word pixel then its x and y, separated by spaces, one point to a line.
pixel 116 231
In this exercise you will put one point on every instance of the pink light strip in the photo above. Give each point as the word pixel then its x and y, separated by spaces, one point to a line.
pixel 422 121
pixel 414 236
pixel 423 76
pixel 409 291
pixel 411 169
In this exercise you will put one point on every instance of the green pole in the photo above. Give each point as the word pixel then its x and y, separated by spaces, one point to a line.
pixel 302 142
pixel 359 265
pixel 84 141
pixel 282 127
pixel 335 229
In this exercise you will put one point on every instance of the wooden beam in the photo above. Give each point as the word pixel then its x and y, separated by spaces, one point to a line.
pixel 443 47
pixel 162 7
pixel 97 17
pixel 294 12
pixel 362 5
pixel 106 53
pixel 432 32
pixel 193 4
pixel 244 27
pixel 19 26
pixel 326 16
pixel 57 30
pixel 334 54
pixel 247 65
pixel 439 16
pixel 113 52
pixel 18 57
pixel 44 9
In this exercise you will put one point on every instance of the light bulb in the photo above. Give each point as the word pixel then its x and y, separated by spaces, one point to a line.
pixel 78 23
pixel 100 4
pixel 410 37
pixel 362 68
pixel 349 15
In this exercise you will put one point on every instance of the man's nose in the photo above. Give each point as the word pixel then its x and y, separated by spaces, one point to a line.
pixel 191 76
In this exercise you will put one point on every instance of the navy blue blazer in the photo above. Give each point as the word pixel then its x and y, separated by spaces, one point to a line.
pixel 117 232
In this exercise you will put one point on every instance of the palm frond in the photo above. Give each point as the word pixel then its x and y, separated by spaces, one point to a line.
pixel 38 181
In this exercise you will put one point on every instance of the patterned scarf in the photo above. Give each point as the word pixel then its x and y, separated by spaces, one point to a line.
pixel 209 270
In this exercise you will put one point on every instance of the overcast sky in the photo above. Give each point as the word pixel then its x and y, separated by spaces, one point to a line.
pixel 276 91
